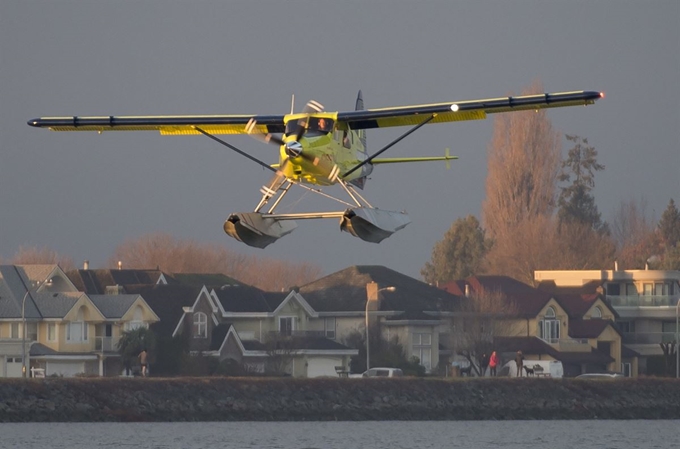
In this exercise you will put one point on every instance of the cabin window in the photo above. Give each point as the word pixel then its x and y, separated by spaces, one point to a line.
pixel 200 325
pixel 347 139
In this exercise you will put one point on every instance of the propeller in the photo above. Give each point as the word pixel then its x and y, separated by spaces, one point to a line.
pixel 293 149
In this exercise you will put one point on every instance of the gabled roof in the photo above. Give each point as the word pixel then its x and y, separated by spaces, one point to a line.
pixel 345 291
pixel 244 298
pixel 589 328
pixel 528 300
pixel 96 281
pixel 200 279
pixel 167 301
pixel 56 305
pixel 114 306
pixel 19 281
pixel 534 345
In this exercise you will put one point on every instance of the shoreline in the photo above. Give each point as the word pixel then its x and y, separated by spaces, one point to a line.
pixel 330 399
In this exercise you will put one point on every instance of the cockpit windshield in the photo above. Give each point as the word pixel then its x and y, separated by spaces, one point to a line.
pixel 316 126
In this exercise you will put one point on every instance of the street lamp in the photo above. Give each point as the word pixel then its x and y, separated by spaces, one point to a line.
pixel 368 300
pixel 23 322
pixel 677 341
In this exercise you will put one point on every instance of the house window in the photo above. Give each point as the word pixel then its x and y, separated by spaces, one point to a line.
pixel 200 325
pixel 286 325
pixel 14 331
pixel 597 313
pixel 626 326
pixel 51 332
pixel 631 290
pixel 329 328
pixel 76 332
pixel 647 289
pixel 613 289
pixel 422 348
pixel 660 289
pixel 550 326
pixel 32 331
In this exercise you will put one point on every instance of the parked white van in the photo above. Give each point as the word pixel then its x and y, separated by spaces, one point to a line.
pixel 380 372
pixel 535 368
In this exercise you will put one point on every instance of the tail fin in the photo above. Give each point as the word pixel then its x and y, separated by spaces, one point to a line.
pixel 360 106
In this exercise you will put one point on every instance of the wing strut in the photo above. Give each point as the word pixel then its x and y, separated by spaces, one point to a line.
pixel 389 145
pixel 231 147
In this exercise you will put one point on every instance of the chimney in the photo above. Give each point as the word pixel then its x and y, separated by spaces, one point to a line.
pixel 86 265
pixel 467 290
pixel 120 264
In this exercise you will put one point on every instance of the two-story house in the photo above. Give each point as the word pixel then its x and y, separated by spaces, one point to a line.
pixel 46 324
pixel 646 302
pixel 388 304
pixel 575 328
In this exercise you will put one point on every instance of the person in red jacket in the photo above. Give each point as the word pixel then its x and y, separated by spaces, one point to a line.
pixel 493 363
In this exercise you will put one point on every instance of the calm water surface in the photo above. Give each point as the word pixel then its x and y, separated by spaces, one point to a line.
pixel 343 435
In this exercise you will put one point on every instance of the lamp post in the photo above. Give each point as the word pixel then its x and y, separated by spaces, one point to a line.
pixel 368 300
pixel 677 342
pixel 23 323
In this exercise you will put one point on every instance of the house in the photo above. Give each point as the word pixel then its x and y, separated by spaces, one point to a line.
pixel 391 305
pixel 646 303
pixel 575 328
pixel 67 332
pixel 259 331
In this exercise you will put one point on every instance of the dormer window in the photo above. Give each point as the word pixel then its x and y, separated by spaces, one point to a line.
pixel 286 325
pixel 200 325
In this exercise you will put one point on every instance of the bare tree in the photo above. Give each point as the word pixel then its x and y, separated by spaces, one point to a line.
pixel 634 233
pixel 482 316
pixel 280 350
pixel 189 256
pixel 523 165
pixel 44 255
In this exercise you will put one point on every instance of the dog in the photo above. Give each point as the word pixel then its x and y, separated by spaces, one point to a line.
pixel 530 371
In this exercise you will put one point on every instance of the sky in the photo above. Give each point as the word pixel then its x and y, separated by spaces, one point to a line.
pixel 83 194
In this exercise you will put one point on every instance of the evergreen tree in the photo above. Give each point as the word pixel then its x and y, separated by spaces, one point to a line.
pixel 669 225
pixel 576 203
pixel 459 254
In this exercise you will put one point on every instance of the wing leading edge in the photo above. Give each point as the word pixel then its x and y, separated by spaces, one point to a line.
pixel 360 119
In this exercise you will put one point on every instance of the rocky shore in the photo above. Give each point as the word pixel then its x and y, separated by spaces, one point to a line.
pixel 248 399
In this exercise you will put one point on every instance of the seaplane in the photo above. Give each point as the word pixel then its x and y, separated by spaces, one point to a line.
pixel 316 149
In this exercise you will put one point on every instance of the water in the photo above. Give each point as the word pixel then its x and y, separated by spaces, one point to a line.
pixel 344 435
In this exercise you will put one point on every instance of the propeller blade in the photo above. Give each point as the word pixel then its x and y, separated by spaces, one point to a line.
pixel 266 138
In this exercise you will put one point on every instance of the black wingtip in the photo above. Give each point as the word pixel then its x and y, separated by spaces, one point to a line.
pixel 34 122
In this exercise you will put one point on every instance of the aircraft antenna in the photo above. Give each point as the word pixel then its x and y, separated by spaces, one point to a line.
pixel 292 104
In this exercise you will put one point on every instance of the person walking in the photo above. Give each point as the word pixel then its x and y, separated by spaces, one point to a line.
pixel 519 361
pixel 493 363
pixel 143 361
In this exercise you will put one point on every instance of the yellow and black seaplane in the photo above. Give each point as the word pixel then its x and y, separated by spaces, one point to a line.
pixel 317 149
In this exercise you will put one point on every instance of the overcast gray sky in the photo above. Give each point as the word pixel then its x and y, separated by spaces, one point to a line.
pixel 82 194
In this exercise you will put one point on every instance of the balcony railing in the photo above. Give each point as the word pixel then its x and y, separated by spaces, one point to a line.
pixel 644 301
pixel 648 338
pixel 275 334
pixel 106 344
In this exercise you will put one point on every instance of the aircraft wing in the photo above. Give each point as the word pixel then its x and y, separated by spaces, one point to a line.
pixel 167 124
pixel 461 110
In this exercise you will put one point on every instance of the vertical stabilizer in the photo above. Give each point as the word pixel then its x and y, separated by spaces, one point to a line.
pixel 360 106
